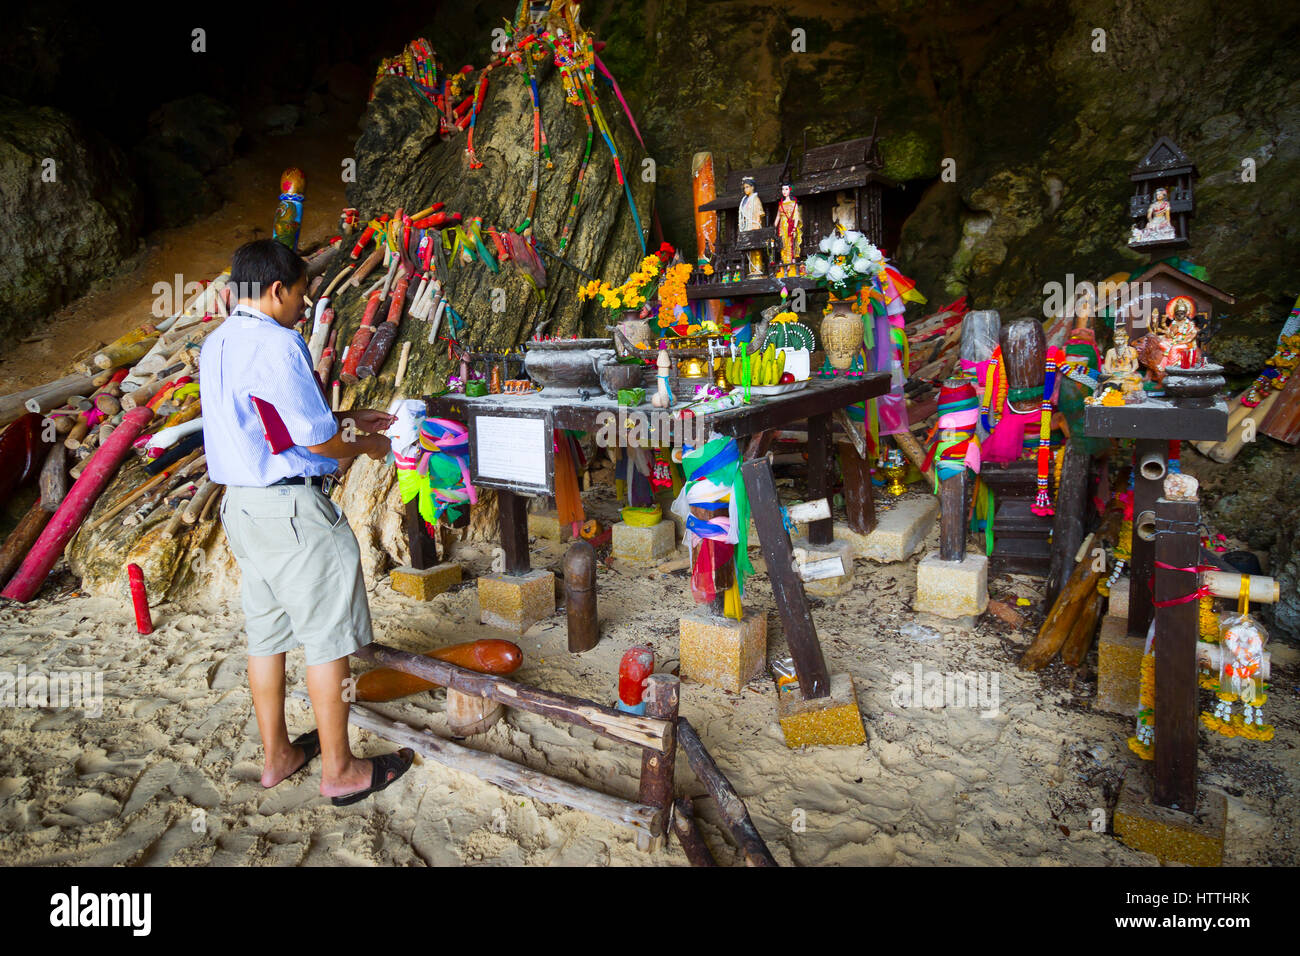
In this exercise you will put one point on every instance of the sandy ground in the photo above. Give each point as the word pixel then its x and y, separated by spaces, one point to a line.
pixel 932 786
pixel 168 773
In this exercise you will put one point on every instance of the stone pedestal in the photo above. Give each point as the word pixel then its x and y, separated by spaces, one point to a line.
pixel 723 652
pixel 546 524
pixel 425 584
pixel 952 589
pixel 833 720
pixel 1172 836
pixel 832 586
pixel 900 532
pixel 638 545
pixel 1119 666
pixel 515 602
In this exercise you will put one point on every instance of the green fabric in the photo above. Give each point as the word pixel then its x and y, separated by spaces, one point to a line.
pixel 728 474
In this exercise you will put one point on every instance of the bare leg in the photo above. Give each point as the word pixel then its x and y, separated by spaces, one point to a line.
pixel 266 682
pixel 341 772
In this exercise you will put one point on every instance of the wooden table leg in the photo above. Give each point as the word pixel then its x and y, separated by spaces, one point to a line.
pixel 819 437
pixel 952 517
pixel 1068 522
pixel 424 550
pixel 859 499
pixel 514 531
pixel 1145 492
pixel 1178 544
pixel 787 588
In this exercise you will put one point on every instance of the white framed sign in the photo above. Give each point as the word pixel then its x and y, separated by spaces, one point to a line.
pixel 513 450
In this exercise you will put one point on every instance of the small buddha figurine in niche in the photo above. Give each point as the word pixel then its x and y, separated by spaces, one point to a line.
pixel 844 212
pixel 751 217
pixel 1159 225
pixel 1120 367
pixel 789 230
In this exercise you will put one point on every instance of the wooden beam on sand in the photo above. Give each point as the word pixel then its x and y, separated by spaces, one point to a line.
pixel 646 820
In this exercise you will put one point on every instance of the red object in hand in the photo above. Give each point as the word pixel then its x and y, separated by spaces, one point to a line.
pixel 143 622
pixel 637 664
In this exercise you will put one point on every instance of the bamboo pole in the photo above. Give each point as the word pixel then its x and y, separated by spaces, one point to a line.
pixel 1084 629
pixel 506 774
pixel 199 501
pixel 47 396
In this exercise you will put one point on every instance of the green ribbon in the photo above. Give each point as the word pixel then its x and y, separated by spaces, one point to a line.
pixel 719 461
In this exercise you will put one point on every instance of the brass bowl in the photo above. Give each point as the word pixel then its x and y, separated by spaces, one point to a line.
pixel 691 368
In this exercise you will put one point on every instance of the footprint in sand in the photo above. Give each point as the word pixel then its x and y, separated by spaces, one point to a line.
pixel 286 797
pixel 149 784
pixel 98 761
pixel 90 808
pixel 194 786
pixel 11 786
pixel 228 673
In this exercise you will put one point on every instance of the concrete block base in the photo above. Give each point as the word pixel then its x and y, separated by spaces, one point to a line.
pixel 828 587
pixel 900 533
pixel 639 545
pixel 1195 839
pixel 723 652
pixel 952 589
pixel 1119 665
pixel 833 720
pixel 546 524
pixel 426 584
pixel 515 602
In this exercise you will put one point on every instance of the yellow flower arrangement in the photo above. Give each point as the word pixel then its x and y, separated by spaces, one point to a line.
pixel 630 294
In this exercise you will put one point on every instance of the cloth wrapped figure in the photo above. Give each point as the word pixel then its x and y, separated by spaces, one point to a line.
pixel 715 508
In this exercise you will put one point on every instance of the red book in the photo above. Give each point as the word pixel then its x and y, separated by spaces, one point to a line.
pixel 273 428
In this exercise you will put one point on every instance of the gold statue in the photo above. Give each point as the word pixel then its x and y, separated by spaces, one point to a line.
pixel 1121 365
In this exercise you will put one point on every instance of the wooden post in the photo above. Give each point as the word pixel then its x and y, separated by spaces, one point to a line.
pixel 1146 490
pixel 424 550
pixel 580 596
pixel 661 699
pixel 688 834
pixel 859 502
pixel 514 530
pixel 819 437
pixel 952 517
pixel 21 539
pixel 787 588
pixel 1071 513
pixel 735 815
pixel 1177 545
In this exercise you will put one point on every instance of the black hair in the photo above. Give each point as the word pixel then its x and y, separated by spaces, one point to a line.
pixel 256 265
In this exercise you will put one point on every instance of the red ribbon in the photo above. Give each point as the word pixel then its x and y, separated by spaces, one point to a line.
pixel 1196 595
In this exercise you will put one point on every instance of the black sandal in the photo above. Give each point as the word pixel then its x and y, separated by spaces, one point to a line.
pixel 380 767
pixel 309 743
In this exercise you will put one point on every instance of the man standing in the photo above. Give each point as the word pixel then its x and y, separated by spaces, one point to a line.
pixel 298 558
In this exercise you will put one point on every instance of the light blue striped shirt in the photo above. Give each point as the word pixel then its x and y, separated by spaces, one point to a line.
pixel 253 355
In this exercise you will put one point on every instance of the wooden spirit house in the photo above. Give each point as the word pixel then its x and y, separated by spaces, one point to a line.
pixel 1162 201
pixel 1153 290
pixel 841 183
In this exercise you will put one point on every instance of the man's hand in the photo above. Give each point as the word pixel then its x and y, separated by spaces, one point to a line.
pixel 368 419
pixel 377 446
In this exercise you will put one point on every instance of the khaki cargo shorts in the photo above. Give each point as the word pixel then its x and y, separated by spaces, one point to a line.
pixel 301 572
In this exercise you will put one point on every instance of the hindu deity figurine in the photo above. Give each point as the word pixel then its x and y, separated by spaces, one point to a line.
pixel 1159 225
pixel 789 229
pixel 751 218
pixel 1172 342
pixel 1241 680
